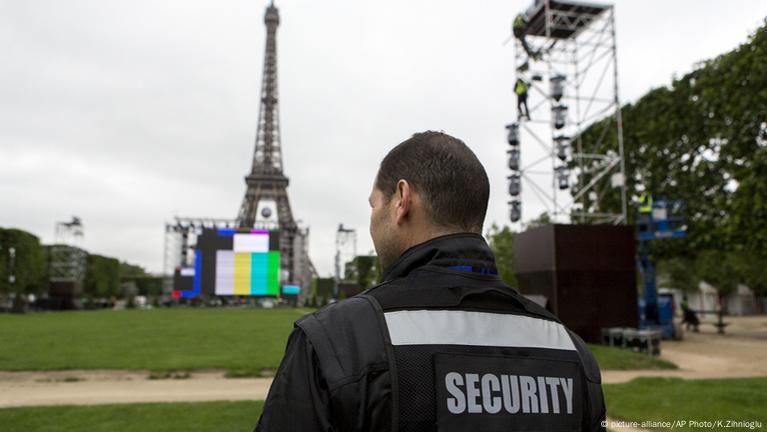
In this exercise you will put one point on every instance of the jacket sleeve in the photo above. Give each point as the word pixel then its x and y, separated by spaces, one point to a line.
pixel 595 414
pixel 298 399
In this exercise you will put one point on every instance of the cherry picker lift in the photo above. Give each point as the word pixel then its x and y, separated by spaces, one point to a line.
pixel 657 219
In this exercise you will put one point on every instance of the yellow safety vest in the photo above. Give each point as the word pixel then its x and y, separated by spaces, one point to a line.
pixel 645 203
pixel 520 87
pixel 519 21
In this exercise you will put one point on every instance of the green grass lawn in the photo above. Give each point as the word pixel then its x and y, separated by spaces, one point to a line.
pixel 610 358
pixel 669 399
pixel 165 417
pixel 159 339
pixel 656 399
pixel 242 341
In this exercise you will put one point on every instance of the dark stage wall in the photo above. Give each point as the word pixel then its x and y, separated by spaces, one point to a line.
pixel 587 273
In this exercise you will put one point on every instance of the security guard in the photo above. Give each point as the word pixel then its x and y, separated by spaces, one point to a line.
pixel 442 343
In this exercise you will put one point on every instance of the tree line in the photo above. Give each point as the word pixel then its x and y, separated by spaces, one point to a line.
pixel 30 270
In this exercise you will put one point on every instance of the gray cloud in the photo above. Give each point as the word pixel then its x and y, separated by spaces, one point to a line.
pixel 127 113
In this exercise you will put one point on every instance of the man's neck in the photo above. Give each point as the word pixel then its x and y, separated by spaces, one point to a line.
pixel 419 236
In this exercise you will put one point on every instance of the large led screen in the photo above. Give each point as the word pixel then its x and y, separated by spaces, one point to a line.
pixel 251 266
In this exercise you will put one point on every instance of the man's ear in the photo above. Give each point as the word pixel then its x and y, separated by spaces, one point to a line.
pixel 405 197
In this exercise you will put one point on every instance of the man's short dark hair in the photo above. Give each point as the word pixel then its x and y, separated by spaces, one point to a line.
pixel 445 172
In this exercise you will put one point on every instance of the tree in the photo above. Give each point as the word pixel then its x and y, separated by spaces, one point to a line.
pixel 718 269
pixel 313 293
pixel 146 284
pixel 102 277
pixel 702 140
pixel 323 288
pixel 30 264
pixel 363 270
pixel 541 220
pixel 501 241
pixel 678 272
pixel 747 229
pixel 128 270
pixel 753 272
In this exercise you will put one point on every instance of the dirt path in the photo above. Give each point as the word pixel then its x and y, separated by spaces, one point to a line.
pixel 742 352
pixel 106 387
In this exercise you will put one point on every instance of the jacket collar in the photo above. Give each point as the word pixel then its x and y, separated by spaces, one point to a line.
pixel 458 249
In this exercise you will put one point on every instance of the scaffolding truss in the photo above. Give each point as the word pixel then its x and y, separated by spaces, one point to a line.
pixel 181 240
pixel 566 54
pixel 67 260
pixel 346 250
pixel 67 263
pixel 303 268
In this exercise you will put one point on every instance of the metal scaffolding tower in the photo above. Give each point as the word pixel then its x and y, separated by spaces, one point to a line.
pixel 67 265
pixel 67 258
pixel 346 250
pixel 566 66
pixel 181 240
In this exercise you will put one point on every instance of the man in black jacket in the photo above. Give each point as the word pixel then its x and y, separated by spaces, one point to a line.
pixel 441 343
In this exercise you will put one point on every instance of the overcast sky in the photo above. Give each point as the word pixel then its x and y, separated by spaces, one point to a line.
pixel 127 113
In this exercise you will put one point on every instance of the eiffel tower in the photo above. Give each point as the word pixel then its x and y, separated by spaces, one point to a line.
pixel 267 184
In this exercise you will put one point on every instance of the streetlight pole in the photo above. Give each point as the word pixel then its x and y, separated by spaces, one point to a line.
pixel 11 275
pixel 18 301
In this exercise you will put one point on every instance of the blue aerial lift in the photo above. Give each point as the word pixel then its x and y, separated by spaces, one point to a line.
pixel 657 219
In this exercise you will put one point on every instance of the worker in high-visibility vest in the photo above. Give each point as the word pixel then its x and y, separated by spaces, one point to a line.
pixel 645 203
pixel 519 25
pixel 645 211
pixel 519 28
pixel 520 89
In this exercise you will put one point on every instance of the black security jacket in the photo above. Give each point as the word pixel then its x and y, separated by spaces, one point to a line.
pixel 364 364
